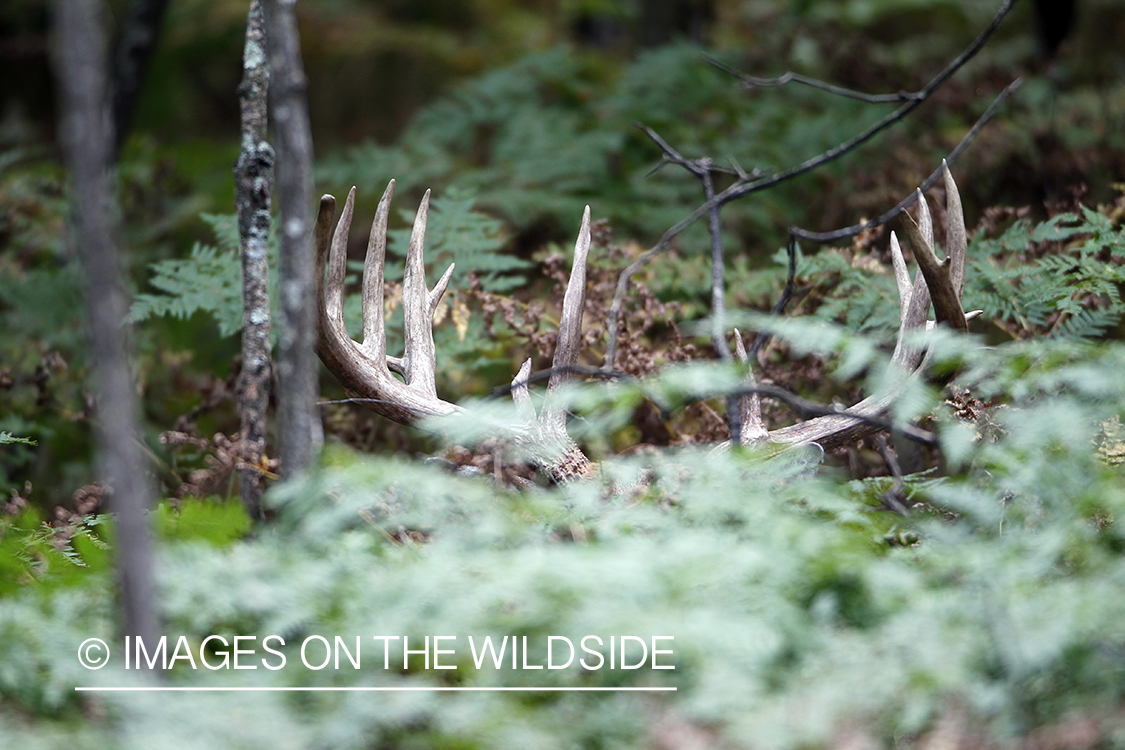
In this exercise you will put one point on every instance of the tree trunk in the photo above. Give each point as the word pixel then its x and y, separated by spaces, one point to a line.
pixel 298 421
pixel 87 135
pixel 253 182
pixel 130 64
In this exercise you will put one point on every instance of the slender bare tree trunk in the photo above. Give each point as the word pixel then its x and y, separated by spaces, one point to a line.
pixel 299 422
pixel 134 52
pixel 253 174
pixel 87 135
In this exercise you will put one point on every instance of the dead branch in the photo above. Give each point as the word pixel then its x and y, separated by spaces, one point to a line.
pixel 747 184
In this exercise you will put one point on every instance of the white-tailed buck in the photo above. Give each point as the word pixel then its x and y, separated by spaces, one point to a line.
pixel 368 372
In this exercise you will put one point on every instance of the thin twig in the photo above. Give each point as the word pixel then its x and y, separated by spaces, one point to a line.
pixel 750 81
pixel 892 497
pixel 736 190
pixel 718 272
pixel 718 296
pixel 892 214
pixel 742 187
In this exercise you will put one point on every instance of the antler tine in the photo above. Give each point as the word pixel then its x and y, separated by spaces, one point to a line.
pixel 418 305
pixel 947 303
pixel 333 343
pixel 547 442
pixel 521 395
pixel 902 280
pixel 323 238
pixel 414 301
pixel 337 266
pixel 374 331
pixel 925 221
pixel 917 306
pixel 570 330
pixel 750 406
pixel 956 239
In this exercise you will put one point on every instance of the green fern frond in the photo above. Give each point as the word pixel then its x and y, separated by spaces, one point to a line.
pixel 455 233
pixel 208 281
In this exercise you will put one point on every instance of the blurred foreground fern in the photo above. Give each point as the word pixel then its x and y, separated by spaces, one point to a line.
pixel 801 610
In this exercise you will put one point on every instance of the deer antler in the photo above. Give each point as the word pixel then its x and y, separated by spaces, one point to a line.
pixel 366 369
pixel 551 446
pixel 941 282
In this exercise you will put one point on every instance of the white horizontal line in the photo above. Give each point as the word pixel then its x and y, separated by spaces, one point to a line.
pixel 164 689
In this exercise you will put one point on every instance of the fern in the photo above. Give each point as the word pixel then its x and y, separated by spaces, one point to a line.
pixel 208 281
pixel 455 233
pixel 1061 278
pixel 997 594
pixel 1071 292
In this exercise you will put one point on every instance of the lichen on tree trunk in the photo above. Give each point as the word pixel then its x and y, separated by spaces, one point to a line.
pixel 253 185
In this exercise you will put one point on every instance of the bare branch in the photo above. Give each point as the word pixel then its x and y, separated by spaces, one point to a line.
pixel 930 181
pixel 703 168
pixel 742 187
pixel 795 232
pixel 750 81
pixel 899 114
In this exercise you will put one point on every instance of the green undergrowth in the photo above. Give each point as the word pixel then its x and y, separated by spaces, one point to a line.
pixel 800 608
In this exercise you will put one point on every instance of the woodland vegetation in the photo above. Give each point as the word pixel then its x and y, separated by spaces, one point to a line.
pixel 953 580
